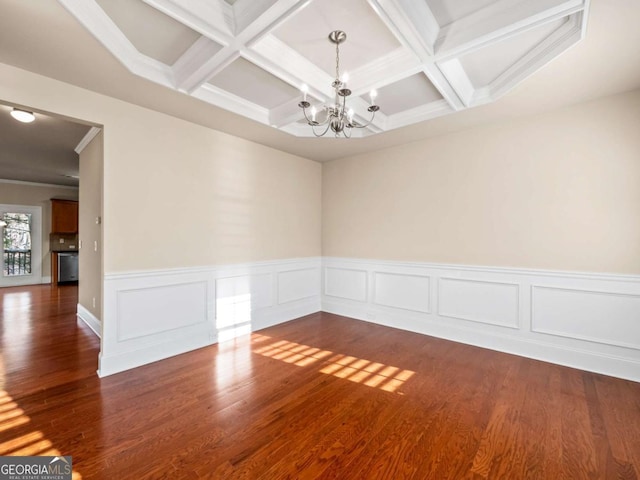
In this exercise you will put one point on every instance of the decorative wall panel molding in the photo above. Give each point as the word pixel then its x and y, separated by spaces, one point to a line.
pixel 154 310
pixel 612 318
pixel 151 315
pixel 347 283
pixel 426 57
pixel 582 320
pixel 294 285
pixel 408 292
pixel 495 303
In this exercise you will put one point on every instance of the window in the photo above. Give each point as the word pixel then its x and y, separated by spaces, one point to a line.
pixel 16 244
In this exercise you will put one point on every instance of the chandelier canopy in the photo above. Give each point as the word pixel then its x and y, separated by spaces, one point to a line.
pixel 336 117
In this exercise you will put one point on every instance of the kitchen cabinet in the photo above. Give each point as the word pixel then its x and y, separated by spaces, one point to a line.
pixel 64 216
pixel 64 233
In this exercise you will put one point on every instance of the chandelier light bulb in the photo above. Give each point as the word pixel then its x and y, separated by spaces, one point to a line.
pixel 372 95
pixel 345 79
pixel 304 89
pixel 313 114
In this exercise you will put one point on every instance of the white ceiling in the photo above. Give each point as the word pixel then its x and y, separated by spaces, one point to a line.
pixel 41 151
pixel 236 66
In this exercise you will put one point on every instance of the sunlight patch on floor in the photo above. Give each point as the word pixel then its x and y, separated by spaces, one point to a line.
pixel 30 444
pixel 358 370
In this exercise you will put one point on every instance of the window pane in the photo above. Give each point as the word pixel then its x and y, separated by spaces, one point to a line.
pixel 16 244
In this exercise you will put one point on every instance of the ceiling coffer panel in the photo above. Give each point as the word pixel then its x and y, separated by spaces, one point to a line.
pixel 395 99
pixel 485 65
pixel 245 80
pixel 367 37
pixel 448 11
pixel 150 31
pixel 425 58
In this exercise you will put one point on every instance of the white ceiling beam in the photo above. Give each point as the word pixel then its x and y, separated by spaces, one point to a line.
pixel 187 69
pixel 456 76
pixel 412 22
pixel 500 21
pixel 96 21
pixel 442 84
pixel 193 75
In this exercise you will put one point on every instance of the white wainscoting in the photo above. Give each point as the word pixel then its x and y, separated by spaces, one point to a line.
pixel 582 320
pixel 152 315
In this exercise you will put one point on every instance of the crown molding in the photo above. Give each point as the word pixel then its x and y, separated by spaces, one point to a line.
pixel 37 184
pixel 93 131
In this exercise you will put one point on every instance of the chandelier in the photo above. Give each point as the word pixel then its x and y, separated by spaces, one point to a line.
pixel 336 117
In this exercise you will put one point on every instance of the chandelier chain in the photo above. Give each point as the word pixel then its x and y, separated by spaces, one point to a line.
pixel 337 61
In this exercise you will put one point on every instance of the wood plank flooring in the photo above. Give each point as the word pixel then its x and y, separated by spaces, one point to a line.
pixel 321 397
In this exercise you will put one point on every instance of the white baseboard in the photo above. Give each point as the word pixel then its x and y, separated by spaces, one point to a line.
pixel 581 320
pixel 108 365
pixel 90 319
pixel 152 315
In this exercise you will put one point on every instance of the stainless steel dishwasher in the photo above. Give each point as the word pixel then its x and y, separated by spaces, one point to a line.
pixel 68 267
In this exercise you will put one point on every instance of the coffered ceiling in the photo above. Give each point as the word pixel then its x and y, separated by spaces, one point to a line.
pixel 427 58
pixel 44 37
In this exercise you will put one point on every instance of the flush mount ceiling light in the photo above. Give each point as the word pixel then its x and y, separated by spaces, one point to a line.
pixel 22 115
pixel 336 116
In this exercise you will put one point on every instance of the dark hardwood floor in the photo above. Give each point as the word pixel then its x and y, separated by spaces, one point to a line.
pixel 315 398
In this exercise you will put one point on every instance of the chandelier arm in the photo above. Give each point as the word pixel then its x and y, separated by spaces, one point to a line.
pixel 313 129
pixel 365 125
pixel 312 122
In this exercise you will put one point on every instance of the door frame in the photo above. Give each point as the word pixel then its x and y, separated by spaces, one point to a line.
pixel 36 247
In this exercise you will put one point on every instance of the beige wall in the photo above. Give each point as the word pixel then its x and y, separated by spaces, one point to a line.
pixel 178 194
pixel 39 196
pixel 556 191
pixel 90 231
pixel 191 196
